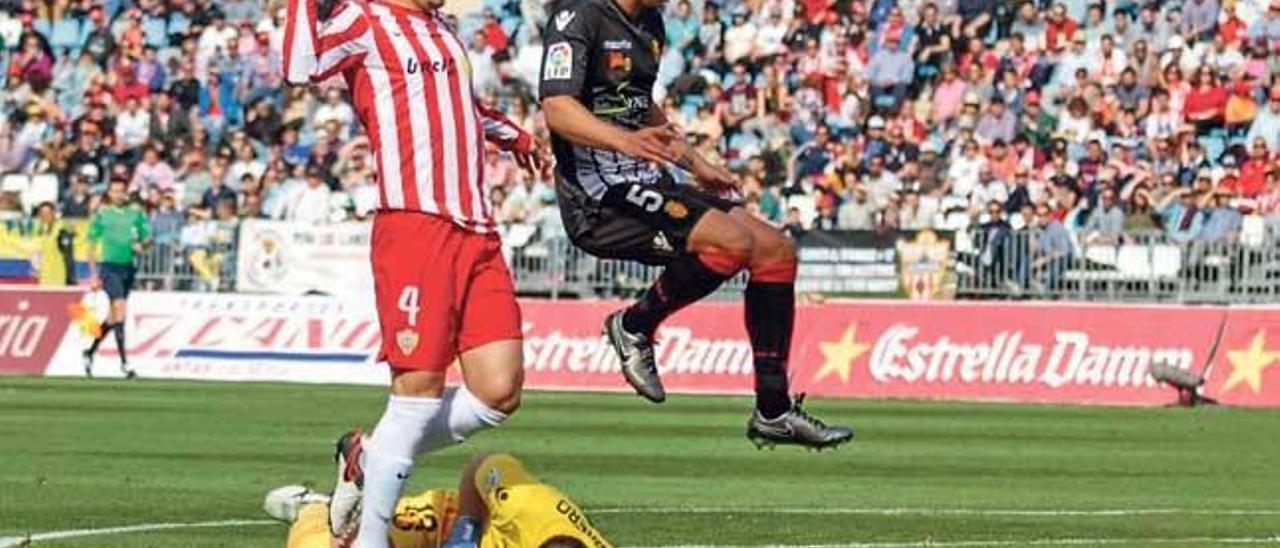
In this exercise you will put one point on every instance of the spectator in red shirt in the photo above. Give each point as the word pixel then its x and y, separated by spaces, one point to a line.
pixel 495 35
pixel 127 84
pixel 1060 29
pixel 1205 102
pixel 1253 174
pixel 33 64
pixel 1233 31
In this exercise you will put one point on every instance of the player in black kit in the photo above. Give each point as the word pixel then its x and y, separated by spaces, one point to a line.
pixel 618 200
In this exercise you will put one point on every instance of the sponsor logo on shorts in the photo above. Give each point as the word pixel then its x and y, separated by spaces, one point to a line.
pixel 660 242
pixel 407 340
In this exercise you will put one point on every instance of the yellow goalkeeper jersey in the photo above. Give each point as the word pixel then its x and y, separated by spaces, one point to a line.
pixel 524 513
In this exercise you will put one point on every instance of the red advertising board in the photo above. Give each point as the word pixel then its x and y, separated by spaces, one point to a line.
pixel 1246 367
pixel 1043 352
pixel 32 325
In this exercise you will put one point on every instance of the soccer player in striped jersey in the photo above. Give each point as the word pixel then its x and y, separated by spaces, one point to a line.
pixel 442 289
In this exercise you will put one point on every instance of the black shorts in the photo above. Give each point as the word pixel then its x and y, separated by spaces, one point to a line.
pixel 117 279
pixel 648 223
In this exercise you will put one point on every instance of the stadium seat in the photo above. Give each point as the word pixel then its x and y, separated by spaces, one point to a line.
pixel 1134 261
pixel 1253 231
pixel 1166 261
pixel 1101 254
pixel 15 183
pixel 42 188
pixel 1213 145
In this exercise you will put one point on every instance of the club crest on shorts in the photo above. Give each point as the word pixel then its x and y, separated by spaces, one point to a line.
pixel 676 210
pixel 407 340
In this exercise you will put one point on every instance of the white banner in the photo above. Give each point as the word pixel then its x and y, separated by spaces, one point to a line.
pixel 209 336
pixel 297 259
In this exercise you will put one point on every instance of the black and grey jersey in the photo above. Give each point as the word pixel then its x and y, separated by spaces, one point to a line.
pixel 598 55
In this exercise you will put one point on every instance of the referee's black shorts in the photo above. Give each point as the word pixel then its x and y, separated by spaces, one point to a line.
pixel 117 279
pixel 648 223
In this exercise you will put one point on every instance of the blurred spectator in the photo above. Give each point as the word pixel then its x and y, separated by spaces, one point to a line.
pixel 309 202
pixel 1107 220
pixel 848 114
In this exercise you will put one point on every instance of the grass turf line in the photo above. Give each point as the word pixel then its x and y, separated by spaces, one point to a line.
pixel 84 454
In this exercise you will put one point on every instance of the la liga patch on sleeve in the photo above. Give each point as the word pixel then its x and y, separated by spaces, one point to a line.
pixel 559 64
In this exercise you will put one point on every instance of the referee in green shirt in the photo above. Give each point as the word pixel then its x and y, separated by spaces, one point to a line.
pixel 117 231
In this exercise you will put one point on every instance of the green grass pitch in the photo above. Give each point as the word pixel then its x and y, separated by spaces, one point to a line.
pixel 78 454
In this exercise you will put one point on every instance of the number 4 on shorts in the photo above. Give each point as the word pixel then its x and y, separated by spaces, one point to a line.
pixel 409 304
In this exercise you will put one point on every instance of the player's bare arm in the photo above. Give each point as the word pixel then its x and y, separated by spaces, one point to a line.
pixel 712 176
pixel 569 119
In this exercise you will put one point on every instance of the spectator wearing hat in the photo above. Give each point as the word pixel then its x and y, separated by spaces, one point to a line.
pixel 874 142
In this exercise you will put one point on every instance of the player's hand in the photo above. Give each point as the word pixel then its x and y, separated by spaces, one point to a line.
pixel 525 151
pixel 652 144
pixel 346 538
pixel 714 177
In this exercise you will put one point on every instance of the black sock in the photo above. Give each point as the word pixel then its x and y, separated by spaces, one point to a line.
pixel 120 344
pixel 683 282
pixel 770 318
pixel 103 330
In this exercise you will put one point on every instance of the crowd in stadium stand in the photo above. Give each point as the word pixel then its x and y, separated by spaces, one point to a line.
pixel 1077 118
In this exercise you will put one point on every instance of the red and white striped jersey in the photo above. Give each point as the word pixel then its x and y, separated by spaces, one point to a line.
pixel 410 80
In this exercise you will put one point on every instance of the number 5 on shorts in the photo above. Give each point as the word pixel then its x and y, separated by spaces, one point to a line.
pixel 647 199
pixel 409 304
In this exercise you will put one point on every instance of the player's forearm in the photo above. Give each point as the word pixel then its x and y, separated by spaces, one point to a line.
pixel 568 119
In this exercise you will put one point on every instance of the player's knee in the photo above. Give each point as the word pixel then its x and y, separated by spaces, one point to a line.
pixel 417 384
pixel 774 260
pixel 500 394
pixel 731 252
pixel 739 242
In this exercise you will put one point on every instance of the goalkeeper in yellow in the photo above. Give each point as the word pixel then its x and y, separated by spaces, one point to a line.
pixel 498 505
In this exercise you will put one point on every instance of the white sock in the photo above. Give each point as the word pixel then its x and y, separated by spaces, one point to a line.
pixel 461 414
pixel 388 461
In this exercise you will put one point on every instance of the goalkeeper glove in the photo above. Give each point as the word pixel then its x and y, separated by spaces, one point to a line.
pixel 464 534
